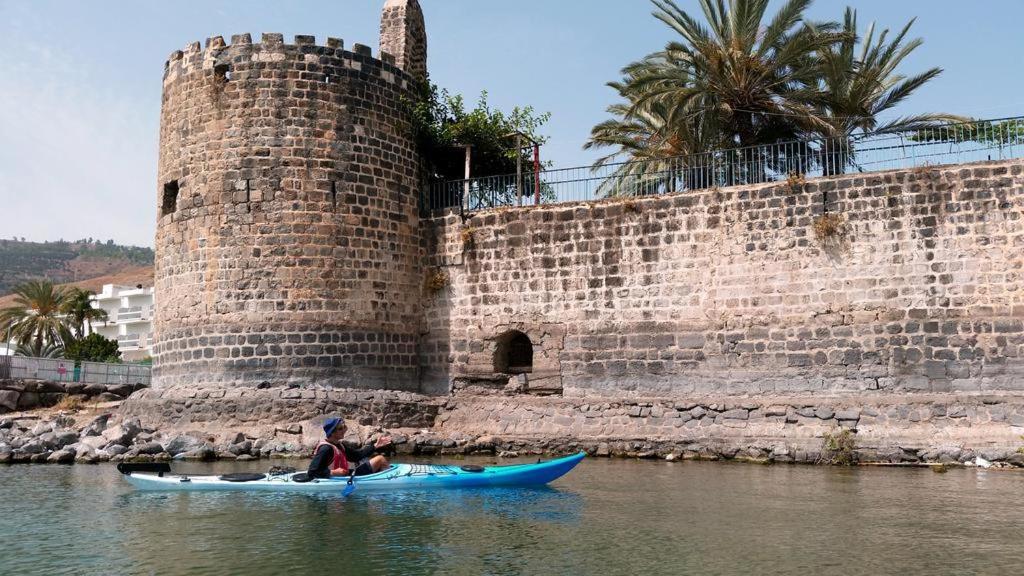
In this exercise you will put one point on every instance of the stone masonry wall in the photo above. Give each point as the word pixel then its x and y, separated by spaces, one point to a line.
pixel 730 291
pixel 288 244
pixel 404 34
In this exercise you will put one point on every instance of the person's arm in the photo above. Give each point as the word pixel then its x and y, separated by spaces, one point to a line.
pixel 355 454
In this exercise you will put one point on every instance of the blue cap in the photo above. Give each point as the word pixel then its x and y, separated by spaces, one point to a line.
pixel 331 424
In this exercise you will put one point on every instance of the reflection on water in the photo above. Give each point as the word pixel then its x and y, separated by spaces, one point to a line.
pixel 606 517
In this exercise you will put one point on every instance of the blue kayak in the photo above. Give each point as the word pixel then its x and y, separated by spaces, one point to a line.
pixel 395 477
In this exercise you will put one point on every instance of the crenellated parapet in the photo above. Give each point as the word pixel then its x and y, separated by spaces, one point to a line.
pixel 318 62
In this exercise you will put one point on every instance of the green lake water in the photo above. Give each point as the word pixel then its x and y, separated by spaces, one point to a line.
pixel 606 517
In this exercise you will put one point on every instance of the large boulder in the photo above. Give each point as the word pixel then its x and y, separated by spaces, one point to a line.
pixel 64 437
pixel 9 400
pixel 41 428
pixel 33 447
pixel 114 450
pixel 149 448
pixel 49 440
pixel 183 443
pixel 96 426
pixel 94 389
pixel 122 390
pixel 123 433
pixel 94 442
pixel 61 457
pixel 204 452
pixel 244 447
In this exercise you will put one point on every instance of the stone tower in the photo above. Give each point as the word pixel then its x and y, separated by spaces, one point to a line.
pixel 287 246
pixel 403 34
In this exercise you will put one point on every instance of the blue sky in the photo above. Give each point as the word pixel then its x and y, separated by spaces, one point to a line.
pixel 80 81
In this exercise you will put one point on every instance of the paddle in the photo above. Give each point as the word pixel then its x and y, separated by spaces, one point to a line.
pixel 350 486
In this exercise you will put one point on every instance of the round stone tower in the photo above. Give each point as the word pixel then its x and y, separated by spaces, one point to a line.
pixel 287 245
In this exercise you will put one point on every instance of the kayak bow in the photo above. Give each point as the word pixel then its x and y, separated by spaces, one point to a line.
pixel 395 477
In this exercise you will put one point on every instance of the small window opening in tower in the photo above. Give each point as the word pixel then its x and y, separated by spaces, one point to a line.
pixel 514 353
pixel 222 72
pixel 334 194
pixel 169 202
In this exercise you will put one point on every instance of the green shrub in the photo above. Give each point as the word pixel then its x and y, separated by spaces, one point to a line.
pixel 839 447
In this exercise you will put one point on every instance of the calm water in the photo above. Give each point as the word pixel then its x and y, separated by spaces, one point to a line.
pixel 606 517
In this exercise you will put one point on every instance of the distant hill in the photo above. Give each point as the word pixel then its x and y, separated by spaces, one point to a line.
pixel 71 262
pixel 131 276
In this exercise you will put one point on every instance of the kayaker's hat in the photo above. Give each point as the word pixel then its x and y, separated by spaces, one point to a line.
pixel 332 424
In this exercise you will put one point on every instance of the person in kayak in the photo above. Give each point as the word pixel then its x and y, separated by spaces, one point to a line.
pixel 333 458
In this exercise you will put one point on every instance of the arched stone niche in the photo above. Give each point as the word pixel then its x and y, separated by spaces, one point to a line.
pixel 524 351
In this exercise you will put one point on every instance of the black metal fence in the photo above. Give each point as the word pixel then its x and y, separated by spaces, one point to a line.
pixel 953 143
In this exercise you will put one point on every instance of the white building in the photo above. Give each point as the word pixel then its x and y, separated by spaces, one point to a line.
pixel 129 319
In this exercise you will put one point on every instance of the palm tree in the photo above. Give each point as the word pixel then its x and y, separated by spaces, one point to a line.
pixel 859 87
pixel 36 320
pixel 80 311
pixel 51 350
pixel 751 81
pixel 650 151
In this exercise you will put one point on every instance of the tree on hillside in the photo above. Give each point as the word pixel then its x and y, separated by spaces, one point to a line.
pixel 36 321
pixel 80 312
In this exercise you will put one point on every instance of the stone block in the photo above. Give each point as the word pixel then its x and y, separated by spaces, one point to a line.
pixel 9 400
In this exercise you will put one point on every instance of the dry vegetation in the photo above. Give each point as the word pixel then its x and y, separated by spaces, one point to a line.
pixel 436 281
pixel 795 181
pixel 830 228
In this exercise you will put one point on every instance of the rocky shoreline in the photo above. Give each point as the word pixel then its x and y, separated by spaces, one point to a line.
pixel 252 423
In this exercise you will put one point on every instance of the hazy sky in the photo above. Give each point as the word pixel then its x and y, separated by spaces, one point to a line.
pixel 80 81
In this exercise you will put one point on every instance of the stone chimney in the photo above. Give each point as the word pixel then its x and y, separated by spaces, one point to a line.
pixel 404 36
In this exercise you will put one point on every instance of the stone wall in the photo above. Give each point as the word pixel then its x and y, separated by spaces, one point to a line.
pixel 255 410
pixel 288 245
pixel 918 288
pixel 883 427
pixel 30 394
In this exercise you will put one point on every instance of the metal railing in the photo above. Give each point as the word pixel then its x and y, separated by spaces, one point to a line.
pixel 954 143
pixel 62 370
